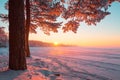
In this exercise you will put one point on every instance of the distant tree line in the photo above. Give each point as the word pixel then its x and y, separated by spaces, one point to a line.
pixel 3 37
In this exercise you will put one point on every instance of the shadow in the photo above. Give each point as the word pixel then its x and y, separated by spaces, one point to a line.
pixel 10 74
pixel 50 74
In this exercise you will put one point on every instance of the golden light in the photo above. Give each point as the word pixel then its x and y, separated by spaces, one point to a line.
pixel 56 43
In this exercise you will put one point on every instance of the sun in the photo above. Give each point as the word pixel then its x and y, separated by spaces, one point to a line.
pixel 56 43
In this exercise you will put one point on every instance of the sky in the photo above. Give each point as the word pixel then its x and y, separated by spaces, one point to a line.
pixel 104 34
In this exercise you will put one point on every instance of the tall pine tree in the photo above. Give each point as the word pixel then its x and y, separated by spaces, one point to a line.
pixel 17 59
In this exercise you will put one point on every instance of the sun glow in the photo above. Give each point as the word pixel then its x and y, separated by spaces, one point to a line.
pixel 56 43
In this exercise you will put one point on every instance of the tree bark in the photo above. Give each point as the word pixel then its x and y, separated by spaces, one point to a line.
pixel 17 60
pixel 27 51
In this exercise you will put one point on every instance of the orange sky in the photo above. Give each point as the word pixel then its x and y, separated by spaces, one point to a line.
pixel 88 39
pixel 87 36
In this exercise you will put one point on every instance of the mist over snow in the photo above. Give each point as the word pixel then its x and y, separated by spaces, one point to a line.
pixel 65 63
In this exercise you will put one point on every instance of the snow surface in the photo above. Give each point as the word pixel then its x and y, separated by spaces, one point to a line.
pixel 65 63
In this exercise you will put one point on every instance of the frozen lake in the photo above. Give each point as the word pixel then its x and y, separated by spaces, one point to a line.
pixel 75 63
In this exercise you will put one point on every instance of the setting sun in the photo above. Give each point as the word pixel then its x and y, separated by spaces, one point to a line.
pixel 56 43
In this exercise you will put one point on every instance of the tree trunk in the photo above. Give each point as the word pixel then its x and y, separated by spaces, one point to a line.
pixel 27 51
pixel 17 60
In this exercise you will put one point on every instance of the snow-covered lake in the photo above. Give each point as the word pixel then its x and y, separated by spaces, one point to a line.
pixel 75 63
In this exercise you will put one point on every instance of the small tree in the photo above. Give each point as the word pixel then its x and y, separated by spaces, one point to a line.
pixel 2 30
pixel 47 20
pixel 27 28
pixel 3 37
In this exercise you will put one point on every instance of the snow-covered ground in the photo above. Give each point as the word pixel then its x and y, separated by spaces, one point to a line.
pixel 65 63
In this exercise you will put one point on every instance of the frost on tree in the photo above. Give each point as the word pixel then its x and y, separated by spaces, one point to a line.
pixel 89 11
pixel 44 14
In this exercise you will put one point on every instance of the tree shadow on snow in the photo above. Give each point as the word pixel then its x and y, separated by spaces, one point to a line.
pixel 11 74
pixel 50 74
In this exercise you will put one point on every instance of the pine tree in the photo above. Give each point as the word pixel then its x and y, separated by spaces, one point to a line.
pixel 17 59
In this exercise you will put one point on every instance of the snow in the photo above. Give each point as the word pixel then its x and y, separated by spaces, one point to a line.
pixel 65 63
